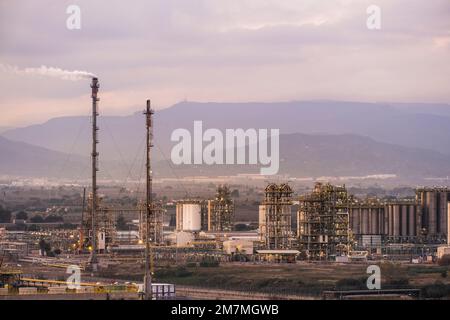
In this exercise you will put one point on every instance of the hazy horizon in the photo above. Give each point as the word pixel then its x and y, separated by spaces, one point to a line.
pixel 138 109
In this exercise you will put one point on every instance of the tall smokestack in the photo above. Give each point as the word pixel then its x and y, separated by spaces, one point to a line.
pixel 149 215
pixel 94 85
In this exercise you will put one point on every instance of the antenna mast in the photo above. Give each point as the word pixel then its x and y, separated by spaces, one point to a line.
pixel 149 207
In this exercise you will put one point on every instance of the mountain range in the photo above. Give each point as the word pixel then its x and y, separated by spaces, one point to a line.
pixel 318 138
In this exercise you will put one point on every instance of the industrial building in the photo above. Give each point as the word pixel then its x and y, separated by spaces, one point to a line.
pixel 221 211
pixel 215 215
pixel 401 221
pixel 155 223
pixel 423 220
pixel 395 220
pixel 366 217
pixel 104 223
pixel 323 222
pixel 433 204
pixel 275 217
pixel 189 215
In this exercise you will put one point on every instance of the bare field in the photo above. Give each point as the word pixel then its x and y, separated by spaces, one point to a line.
pixel 301 278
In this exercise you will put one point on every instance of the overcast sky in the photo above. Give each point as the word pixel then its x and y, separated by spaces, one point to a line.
pixel 221 50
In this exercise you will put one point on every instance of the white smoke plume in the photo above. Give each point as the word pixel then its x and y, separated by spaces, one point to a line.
pixel 74 75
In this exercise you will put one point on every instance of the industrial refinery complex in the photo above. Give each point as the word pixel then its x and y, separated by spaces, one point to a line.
pixel 324 227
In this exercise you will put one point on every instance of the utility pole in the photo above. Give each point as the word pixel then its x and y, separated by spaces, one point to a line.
pixel 149 207
pixel 95 85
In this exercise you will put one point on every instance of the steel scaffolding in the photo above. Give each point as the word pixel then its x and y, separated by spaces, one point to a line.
pixel 221 211
pixel 323 222
pixel 277 231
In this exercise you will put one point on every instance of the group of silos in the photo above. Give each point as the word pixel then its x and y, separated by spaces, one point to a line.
pixel 426 217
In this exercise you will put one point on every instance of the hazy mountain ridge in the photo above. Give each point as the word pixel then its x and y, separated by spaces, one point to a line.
pixel 354 139
pixel 303 156
pixel 121 137
pixel 26 160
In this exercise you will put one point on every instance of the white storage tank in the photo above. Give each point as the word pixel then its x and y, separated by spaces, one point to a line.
pixel 192 217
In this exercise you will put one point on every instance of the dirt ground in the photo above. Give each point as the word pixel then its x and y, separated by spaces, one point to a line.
pixel 299 278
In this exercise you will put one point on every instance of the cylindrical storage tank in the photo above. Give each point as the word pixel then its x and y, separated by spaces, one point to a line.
pixel 365 221
pixel 396 221
pixel 354 218
pixel 386 220
pixel 443 212
pixel 404 220
pixel 412 220
pixel 374 221
pixel 423 221
pixel 390 230
pixel 192 217
pixel 380 220
pixel 431 205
